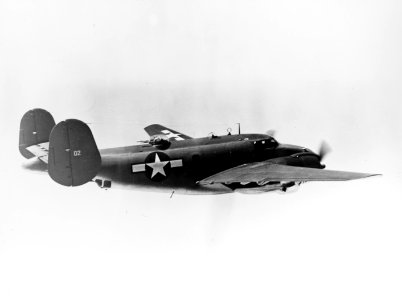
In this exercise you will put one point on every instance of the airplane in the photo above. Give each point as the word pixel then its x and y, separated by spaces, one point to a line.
pixel 170 160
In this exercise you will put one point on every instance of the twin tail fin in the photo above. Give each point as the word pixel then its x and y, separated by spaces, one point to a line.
pixel 68 148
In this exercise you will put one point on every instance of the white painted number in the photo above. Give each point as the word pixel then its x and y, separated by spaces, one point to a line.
pixel 77 153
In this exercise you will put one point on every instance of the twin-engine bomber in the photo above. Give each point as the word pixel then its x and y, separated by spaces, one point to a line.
pixel 171 160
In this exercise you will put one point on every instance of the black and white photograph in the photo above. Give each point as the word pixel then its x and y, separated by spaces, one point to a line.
pixel 201 149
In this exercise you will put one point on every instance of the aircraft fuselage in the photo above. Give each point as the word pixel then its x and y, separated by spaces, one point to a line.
pixel 185 162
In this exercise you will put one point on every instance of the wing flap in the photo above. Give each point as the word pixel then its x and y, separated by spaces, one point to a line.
pixel 172 135
pixel 267 171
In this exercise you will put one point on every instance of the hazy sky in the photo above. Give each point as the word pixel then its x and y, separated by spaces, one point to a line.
pixel 312 70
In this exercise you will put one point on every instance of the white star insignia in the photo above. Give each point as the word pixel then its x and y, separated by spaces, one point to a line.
pixel 158 166
pixel 170 135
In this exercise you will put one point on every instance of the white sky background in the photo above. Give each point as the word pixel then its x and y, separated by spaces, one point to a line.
pixel 312 70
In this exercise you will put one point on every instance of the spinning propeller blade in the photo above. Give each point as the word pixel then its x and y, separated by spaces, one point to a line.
pixel 324 149
pixel 271 132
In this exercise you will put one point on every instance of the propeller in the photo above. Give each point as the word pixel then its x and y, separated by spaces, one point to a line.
pixel 271 132
pixel 324 150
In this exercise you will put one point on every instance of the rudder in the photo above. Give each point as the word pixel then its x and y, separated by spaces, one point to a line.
pixel 74 158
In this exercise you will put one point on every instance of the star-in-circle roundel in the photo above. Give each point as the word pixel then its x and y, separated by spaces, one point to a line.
pixel 157 166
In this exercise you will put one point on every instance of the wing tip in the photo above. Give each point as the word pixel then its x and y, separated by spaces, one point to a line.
pixel 372 175
pixel 362 176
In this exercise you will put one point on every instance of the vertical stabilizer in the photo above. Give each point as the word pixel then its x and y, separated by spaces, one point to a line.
pixel 35 128
pixel 74 158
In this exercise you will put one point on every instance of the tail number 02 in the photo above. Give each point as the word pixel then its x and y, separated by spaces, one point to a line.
pixel 77 153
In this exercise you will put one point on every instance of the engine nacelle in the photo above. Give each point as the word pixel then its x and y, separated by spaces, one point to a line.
pixel 303 159
pixel 310 160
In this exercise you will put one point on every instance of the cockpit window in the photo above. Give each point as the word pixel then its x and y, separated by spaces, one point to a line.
pixel 271 142
pixel 267 143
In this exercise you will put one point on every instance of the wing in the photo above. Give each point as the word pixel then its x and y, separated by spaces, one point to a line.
pixel 172 135
pixel 267 171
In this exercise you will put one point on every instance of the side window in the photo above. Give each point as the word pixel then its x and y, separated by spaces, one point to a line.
pixel 271 143
pixel 266 144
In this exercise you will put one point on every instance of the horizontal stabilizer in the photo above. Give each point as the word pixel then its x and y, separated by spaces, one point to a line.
pixel 41 151
pixel 170 134
pixel 74 158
